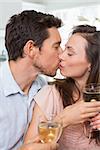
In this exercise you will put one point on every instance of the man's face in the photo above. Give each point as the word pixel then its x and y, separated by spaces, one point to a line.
pixel 47 59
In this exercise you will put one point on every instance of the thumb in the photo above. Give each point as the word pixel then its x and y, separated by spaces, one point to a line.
pixel 36 139
pixel 33 140
pixel 54 146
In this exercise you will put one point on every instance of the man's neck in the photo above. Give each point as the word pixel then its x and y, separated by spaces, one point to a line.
pixel 23 74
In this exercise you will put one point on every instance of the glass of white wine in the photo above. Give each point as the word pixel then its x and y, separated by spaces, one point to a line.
pixel 49 131
pixel 91 92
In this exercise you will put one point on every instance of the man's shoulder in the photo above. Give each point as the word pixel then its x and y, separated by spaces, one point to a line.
pixel 41 80
pixel 1 92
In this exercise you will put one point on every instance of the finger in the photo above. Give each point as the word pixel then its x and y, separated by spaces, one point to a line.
pixel 97 117
pixel 89 115
pixel 36 139
pixel 93 104
pixel 91 109
pixel 54 146
pixel 96 127
pixel 49 146
pixel 33 140
pixel 97 122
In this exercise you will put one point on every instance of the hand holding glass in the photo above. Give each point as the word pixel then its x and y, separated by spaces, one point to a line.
pixel 49 131
pixel 91 92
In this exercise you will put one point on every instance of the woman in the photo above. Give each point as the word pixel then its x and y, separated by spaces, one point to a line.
pixel 79 63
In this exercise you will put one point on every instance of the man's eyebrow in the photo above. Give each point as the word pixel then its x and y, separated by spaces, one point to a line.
pixel 58 43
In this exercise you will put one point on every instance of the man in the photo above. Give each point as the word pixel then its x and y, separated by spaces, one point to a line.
pixel 33 45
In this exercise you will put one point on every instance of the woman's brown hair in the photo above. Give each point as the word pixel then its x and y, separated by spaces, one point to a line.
pixel 67 86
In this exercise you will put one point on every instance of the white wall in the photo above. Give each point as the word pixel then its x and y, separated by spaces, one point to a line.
pixel 64 4
pixel 78 15
pixel 68 15
pixel 37 7
pixel 7 9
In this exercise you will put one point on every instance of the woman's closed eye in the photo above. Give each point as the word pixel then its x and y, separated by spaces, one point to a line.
pixel 69 54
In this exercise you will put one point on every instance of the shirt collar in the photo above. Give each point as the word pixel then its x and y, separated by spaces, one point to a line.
pixel 9 84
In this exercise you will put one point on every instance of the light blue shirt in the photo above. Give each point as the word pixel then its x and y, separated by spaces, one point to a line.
pixel 15 108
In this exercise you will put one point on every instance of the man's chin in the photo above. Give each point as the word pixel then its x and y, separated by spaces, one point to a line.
pixel 51 74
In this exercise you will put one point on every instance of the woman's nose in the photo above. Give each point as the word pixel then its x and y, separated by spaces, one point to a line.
pixel 60 50
pixel 61 55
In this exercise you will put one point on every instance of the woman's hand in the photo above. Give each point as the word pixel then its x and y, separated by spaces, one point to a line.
pixel 78 113
pixel 95 122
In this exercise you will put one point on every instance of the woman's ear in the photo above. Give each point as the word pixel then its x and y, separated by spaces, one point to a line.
pixel 30 49
pixel 89 67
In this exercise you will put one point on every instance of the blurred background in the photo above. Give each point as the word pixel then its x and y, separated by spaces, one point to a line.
pixel 72 12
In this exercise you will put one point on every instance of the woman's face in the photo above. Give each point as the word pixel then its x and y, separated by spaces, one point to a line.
pixel 74 63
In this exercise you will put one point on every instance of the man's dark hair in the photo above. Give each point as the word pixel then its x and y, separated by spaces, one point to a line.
pixel 28 25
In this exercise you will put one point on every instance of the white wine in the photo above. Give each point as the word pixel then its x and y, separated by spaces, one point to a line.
pixel 90 96
pixel 49 131
pixel 91 92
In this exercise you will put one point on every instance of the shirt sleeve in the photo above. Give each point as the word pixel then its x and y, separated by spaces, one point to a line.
pixel 49 101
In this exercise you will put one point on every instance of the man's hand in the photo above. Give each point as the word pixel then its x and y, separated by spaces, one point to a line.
pixel 39 146
pixel 36 145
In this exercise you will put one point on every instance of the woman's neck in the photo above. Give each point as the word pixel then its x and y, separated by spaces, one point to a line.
pixel 81 82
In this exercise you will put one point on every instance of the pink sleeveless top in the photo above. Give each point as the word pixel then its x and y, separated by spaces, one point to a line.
pixel 73 137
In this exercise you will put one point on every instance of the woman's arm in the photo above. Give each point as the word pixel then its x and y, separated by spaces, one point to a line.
pixel 73 114
pixel 32 131
pixel 47 102
pixel 79 113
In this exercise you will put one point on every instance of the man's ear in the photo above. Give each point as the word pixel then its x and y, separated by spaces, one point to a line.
pixel 30 49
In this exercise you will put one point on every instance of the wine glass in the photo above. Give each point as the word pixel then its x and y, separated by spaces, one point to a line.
pixel 49 131
pixel 91 92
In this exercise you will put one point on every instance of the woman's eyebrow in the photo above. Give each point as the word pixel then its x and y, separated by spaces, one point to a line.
pixel 70 48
